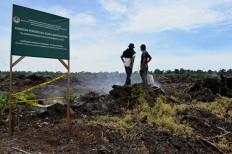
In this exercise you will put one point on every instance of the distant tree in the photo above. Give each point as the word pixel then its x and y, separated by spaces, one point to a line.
pixel 176 71
pixel 199 71
pixel 168 72
pixel 182 71
pixel 157 71
pixel 222 71
pixel 229 72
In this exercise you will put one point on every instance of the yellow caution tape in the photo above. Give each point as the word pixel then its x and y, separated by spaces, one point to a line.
pixel 32 102
pixel 42 99
pixel 40 85
pixel 36 104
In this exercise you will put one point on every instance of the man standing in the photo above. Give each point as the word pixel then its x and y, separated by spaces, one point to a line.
pixel 145 59
pixel 128 58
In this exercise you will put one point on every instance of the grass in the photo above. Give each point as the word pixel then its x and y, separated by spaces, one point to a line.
pixel 64 120
pixel 224 144
pixel 76 96
pixel 25 96
pixel 162 115
pixel 220 107
pixel 130 125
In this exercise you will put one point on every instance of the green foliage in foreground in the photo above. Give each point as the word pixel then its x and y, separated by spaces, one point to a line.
pixel 3 99
pixel 26 97
pixel 4 106
pixel 76 96
pixel 4 103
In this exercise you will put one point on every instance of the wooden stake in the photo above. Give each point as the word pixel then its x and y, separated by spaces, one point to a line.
pixel 68 98
pixel 10 99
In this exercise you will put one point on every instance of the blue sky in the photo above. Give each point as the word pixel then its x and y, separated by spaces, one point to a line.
pixel 189 34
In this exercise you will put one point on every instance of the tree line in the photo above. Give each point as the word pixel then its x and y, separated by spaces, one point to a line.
pixel 157 72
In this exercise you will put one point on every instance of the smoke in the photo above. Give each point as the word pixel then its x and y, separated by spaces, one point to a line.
pixel 118 79
pixel 155 82
pixel 213 75
pixel 102 83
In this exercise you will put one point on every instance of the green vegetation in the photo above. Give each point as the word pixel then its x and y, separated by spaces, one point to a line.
pixel 4 103
pixel 157 72
pixel 162 115
pixel 3 99
pixel 193 73
pixel 220 107
pixel 26 97
pixel 76 96
pixel 130 125
pixel 64 120
pixel 4 106
pixel 224 144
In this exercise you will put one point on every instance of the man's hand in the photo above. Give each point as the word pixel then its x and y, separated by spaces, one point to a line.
pixel 143 62
pixel 122 59
pixel 132 61
pixel 149 59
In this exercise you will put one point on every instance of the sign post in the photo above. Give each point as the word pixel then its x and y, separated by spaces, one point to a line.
pixel 39 34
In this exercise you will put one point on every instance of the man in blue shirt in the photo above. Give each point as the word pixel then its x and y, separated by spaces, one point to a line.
pixel 145 59
pixel 128 57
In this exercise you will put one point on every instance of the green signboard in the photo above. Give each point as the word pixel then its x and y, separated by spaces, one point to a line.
pixel 39 34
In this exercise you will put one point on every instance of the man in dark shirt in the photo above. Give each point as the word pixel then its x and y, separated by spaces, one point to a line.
pixel 145 59
pixel 128 57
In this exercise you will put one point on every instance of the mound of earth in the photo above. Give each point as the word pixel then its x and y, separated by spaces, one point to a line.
pixel 31 80
pixel 120 97
pixel 127 96
pixel 206 90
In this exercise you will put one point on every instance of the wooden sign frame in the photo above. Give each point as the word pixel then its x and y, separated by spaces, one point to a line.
pixel 12 64
pixel 25 20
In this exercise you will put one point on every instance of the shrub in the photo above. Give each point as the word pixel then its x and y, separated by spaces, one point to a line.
pixel 4 106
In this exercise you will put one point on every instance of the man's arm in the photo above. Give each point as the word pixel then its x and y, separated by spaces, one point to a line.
pixel 149 59
pixel 122 59
pixel 132 61
pixel 143 62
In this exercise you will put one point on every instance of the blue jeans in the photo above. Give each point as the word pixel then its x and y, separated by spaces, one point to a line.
pixel 128 73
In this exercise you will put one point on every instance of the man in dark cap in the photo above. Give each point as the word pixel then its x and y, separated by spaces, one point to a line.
pixel 145 59
pixel 128 57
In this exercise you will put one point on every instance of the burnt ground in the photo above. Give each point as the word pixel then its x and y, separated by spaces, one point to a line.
pixel 44 130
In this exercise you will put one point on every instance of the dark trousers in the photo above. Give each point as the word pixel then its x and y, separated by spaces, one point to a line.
pixel 143 75
pixel 128 75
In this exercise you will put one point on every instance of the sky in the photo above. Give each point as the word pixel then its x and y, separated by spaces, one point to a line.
pixel 189 34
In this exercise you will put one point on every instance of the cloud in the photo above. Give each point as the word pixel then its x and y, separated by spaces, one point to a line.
pixel 200 61
pixel 81 23
pixel 163 15
pixel 83 18
pixel 75 18
pixel 114 7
